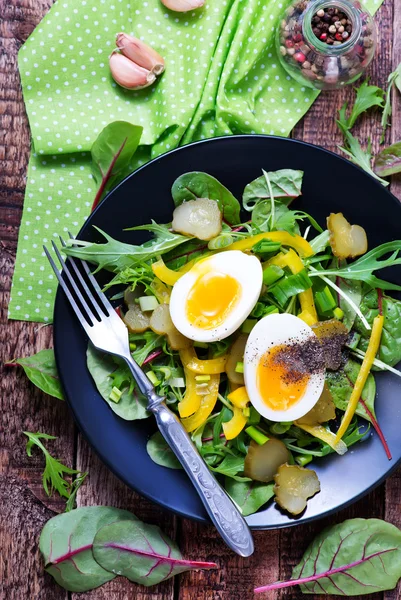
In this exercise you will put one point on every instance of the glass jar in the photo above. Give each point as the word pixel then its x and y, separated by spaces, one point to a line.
pixel 326 44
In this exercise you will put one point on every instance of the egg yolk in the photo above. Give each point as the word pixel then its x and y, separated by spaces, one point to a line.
pixel 211 299
pixel 280 388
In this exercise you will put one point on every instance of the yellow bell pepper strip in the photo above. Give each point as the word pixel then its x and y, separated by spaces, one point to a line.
pixel 234 426
pixel 208 403
pixel 191 401
pixel 211 366
pixel 320 432
pixel 373 347
pixel 161 291
pixel 307 317
pixel 239 397
pixel 295 264
pixel 165 274
pixel 293 241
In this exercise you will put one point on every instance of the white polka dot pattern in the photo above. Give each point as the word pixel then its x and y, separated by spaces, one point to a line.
pixel 222 77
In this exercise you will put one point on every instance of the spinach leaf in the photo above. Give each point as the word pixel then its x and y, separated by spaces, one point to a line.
pixel 66 546
pixel 197 184
pixel 390 346
pixel 41 369
pixel 231 466
pixel 112 152
pixel 180 256
pixel 286 185
pixel 285 219
pixel 341 383
pixel 359 556
pixel 362 269
pixel 107 372
pixel 249 496
pixel 115 256
pixel 388 161
pixel 161 453
pixel 140 552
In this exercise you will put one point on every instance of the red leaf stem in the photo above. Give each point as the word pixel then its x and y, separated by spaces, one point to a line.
pixel 191 564
pixel 10 364
pixel 377 428
pixel 209 439
pixel 152 356
pixel 327 574
pixel 70 554
pixel 107 176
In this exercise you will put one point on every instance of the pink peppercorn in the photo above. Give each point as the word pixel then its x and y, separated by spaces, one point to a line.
pixel 299 57
pixel 289 43
pixel 323 37
pixel 339 37
pixel 298 37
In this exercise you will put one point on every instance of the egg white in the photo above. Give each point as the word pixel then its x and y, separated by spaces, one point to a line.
pixel 248 272
pixel 272 331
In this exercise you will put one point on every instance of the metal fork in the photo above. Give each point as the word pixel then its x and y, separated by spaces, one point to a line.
pixel 108 333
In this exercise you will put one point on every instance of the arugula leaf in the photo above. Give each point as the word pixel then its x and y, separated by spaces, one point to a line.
pixel 285 219
pixel 197 184
pixel 115 256
pixel 320 242
pixel 367 96
pixel 360 157
pixel 161 453
pixel 388 161
pixel 286 185
pixel 362 269
pixel 76 484
pixel 356 557
pixel 231 466
pixel 394 78
pixel 353 290
pixel 53 475
pixel 112 152
pixel 249 496
pixel 41 369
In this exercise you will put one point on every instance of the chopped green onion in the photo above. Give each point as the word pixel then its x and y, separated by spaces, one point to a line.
pixel 202 378
pixel 325 301
pixel 153 378
pixel 272 274
pixel 290 286
pixel 239 367
pixel 261 310
pixel 200 345
pixel 166 372
pixel 148 303
pixel 266 247
pixel 248 325
pixel 115 395
pixel 221 241
pixel 304 460
pixel 338 313
pixel 177 382
pixel 254 416
pixel 132 346
pixel 246 411
pixel 259 437
pixel 280 428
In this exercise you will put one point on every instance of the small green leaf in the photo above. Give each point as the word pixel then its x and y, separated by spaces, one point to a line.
pixel 53 475
pixel 75 485
pixel 161 453
pixel 140 552
pixel 66 546
pixel 105 370
pixel 286 185
pixel 388 161
pixel 367 96
pixel 197 184
pixel 41 369
pixel 249 496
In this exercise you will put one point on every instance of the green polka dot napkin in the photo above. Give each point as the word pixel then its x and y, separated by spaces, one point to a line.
pixel 222 77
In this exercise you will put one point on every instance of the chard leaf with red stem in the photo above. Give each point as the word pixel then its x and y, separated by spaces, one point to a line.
pixel 66 546
pixel 41 369
pixel 357 557
pixel 112 152
pixel 141 552
pixel 388 161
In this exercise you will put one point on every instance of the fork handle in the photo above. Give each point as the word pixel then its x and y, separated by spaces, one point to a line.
pixel 225 516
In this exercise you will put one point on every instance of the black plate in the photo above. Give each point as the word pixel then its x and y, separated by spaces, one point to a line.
pixel 331 184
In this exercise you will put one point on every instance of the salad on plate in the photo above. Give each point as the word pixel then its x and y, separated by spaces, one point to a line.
pixel 263 330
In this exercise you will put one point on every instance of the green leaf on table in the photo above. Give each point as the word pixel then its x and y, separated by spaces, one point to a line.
pixel 66 546
pixel 108 372
pixel 197 184
pixel 161 453
pixel 390 344
pixel 115 256
pixel 388 161
pixel 367 96
pixel 55 471
pixel 286 185
pixel 357 557
pixel 140 552
pixel 112 152
pixel 363 158
pixel 75 485
pixel 362 269
pixel 41 369
pixel 249 496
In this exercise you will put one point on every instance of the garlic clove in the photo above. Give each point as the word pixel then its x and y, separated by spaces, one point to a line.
pixel 183 5
pixel 128 74
pixel 140 53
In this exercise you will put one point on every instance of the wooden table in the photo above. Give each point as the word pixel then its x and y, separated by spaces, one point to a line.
pixel 24 507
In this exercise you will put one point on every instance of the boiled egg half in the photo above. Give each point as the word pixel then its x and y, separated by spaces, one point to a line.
pixel 215 297
pixel 277 389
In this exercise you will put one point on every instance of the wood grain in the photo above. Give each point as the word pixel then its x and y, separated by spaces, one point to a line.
pixel 23 505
